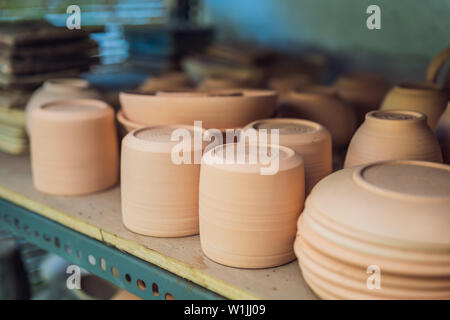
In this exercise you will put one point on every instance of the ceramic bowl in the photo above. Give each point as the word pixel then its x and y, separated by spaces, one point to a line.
pixel 393 135
pixel 160 194
pixel 443 134
pixel 309 139
pixel 322 105
pixel 59 89
pixel 247 219
pixel 74 147
pixel 338 240
pixel 415 96
pixel 222 109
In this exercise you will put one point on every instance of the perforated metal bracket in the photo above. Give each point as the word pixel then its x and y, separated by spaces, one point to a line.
pixel 141 278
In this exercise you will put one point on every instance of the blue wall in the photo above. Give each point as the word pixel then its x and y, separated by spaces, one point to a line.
pixel 412 31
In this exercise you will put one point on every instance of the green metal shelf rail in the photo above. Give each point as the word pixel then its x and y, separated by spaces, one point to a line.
pixel 141 278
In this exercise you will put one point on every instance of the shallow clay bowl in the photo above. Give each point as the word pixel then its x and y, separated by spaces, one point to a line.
pixel 218 109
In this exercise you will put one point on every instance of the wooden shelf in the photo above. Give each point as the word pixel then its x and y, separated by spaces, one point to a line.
pixel 99 216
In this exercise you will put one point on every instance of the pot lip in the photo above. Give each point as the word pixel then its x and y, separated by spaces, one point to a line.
pixel 314 125
pixel 100 109
pixel 67 84
pixel 358 178
pixel 418 117
pixel 122 119
pixel 289 161
pixel 202 95
pixel 417 87
pixel 133 141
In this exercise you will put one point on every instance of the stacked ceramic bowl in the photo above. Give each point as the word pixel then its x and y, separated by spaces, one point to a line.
pixel 309 139
pixel 378 231
pixel 248 208
pixel 220 109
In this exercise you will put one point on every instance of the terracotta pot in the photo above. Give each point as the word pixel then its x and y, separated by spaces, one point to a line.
pixel 365 91
pixel 159 197
pixel 74 147
pixel 436 65
pixel 247 219
pixel 309 139
pixel 443 134
pixel 59 89
pixel 338 240
pixel 422 97
pixel 393 135
pixel 321 104
pixel 222 109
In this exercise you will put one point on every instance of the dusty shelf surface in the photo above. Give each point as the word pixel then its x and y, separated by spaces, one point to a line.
pixel 99 216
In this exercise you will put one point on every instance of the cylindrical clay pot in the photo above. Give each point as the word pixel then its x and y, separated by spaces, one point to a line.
pixel 322 105
pixel 443 134
pixel 74 147
pixel 421 97
pixel 309 139
pixel 248 219
pixel 60 89
pixel 159 196
pixel 393 135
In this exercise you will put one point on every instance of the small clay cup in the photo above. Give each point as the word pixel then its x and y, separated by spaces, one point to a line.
pixel 427 98
pixel 160 196
pixel 393 135
pixel 247 219
pixel 309 139
pixel 74 147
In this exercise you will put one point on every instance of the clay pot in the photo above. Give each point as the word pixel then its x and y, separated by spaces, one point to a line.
pixel 309 139
pixel 443 134
pixel 74 147
pixel 421 97
pixel 247 219
pixel 160 197
pixel 321 104
pixel 393 135
pixel 223 109
pixel 338 240
pixel 365 91
pixel 59 89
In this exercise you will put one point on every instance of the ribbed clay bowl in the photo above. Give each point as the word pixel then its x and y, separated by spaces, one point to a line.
pixel 400 204
pixel 217 109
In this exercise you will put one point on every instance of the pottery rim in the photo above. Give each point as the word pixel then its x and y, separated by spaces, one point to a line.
pixel 67 84
pixel 416 117
pixel 314 125
pixel 246 94
pixel 98 108
pixel 358 177
pixel 417 88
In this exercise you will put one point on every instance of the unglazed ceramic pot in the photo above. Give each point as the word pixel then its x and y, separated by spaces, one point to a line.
pixel 339 241
pixel 321 104
pixel 160 196
pixel 443 134
pixel 309 139
pixel 221 109
pixel 59 89
pixel 422 97
pixel 393 135
pixel 365 91
pixel 247 219
pixel 74 147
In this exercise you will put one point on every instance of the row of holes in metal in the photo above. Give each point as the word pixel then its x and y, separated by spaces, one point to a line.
pixel 91 259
